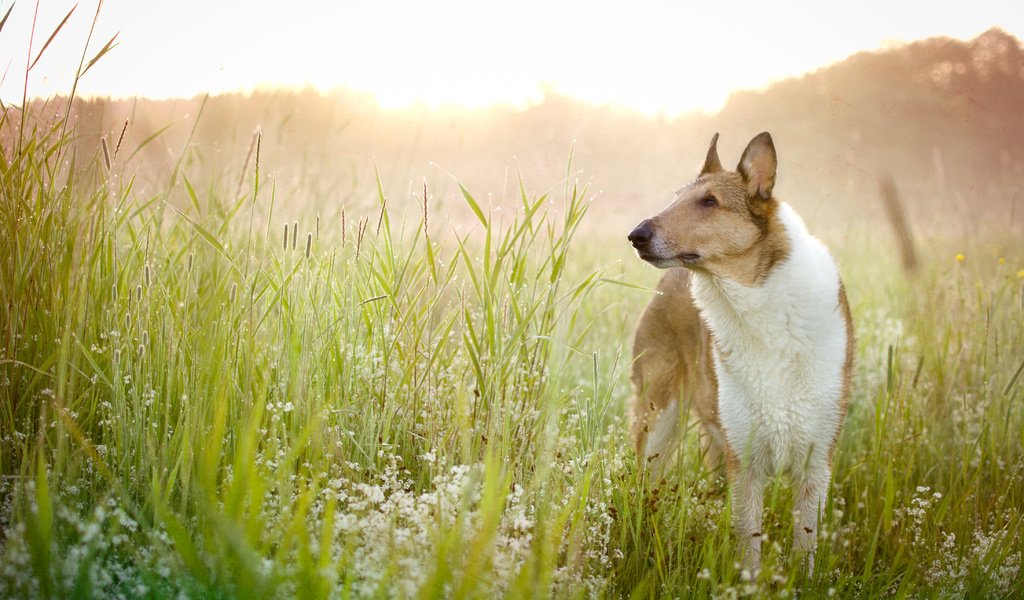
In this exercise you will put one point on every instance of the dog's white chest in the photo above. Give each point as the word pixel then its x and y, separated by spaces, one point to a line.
pixel 778 402
pixel 780 351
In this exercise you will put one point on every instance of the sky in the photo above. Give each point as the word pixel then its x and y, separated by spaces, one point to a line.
pixel 654 56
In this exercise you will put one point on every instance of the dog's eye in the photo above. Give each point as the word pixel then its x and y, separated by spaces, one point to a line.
pixel 709 201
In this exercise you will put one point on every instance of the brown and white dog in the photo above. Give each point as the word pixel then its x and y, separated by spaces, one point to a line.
pixel 753 333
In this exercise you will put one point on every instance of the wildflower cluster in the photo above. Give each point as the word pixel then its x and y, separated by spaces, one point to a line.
pixel 992 555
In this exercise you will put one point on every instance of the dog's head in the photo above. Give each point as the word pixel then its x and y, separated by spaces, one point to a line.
pixel 722 215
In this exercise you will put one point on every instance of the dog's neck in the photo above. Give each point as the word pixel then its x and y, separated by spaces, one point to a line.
pixel 752 266
pixel 793 290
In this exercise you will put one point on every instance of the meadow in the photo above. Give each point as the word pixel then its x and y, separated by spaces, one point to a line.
pixel 208 392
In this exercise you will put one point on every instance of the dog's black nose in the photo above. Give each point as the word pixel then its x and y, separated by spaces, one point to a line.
pixel 641 236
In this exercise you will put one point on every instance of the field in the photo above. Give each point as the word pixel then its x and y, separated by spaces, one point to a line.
pixel 200 397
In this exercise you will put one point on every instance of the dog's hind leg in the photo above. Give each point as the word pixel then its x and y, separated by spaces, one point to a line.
pixel 711 445
pixel 655 410
pixel 662 439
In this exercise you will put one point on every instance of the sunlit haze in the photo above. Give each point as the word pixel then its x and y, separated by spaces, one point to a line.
pixel 656 57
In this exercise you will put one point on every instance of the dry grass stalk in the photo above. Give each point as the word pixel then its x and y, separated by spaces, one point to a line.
pixel 248 157
pixel 898 220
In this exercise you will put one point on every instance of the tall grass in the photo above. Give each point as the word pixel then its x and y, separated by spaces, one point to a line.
pixel 194 403
pixel 250 409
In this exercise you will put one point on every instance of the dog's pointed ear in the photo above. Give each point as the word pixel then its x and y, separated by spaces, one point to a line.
pixel 757 166
pixel 711 162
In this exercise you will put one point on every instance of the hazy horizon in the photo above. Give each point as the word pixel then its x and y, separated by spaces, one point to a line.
pixel 657 59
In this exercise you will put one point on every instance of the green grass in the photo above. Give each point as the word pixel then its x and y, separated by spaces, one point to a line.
pixel 192 401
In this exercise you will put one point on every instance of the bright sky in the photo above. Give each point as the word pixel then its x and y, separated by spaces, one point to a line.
pixel 655 56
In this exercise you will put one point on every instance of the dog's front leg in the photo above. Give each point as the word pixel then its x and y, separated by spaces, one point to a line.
pixel 747 490
pixel 808 507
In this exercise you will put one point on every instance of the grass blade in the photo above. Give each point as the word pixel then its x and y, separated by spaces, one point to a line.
pixel 473 205
pixel 147 141
pixel 1013 379
pixel 42 527
pixel 52 35
pixel 110 45
pixel 3 21
pixel 209 237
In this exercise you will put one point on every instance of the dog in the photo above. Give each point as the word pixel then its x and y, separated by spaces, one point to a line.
pixel 751 330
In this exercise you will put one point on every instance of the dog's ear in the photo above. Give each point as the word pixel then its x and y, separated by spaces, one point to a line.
pixel 711 163
pixel 757 166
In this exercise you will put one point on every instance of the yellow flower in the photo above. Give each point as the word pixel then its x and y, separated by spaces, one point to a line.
pixel 1020 274
pixel 959 258
pixel 1002 260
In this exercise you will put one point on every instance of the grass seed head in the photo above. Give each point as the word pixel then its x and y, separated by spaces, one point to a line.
pixel 234 293
pixel 106 153
pixel 309 243
pixel 359 234
pixel 295 233
pixel 121 137
pixel 426 213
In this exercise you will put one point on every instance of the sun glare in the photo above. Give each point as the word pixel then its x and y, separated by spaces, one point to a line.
pixel 656 57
